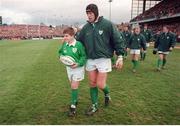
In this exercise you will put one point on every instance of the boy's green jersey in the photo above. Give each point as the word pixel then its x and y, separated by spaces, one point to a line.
pixel 137 41
pixel 164 41
pixel 101 39
pixel 76 51
pixel 148 35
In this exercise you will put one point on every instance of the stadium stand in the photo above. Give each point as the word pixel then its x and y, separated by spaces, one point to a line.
pixel 17 31
pixel 165 8
pixel 166 12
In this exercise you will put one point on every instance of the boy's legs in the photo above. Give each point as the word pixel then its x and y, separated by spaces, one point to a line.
pixel 74 97
pixel 75 76
pixel 74 93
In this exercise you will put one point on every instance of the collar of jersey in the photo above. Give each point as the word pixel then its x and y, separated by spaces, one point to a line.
pixel 72 44
pixel 98 20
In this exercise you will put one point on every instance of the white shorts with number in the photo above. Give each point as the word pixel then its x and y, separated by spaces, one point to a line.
pixel 102 65
pixel 135 51
pixel 161 52
pixel 76 74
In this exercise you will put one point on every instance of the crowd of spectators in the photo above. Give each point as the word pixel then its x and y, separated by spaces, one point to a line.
pixel 173 27
pixel 29 31
pixel 165 8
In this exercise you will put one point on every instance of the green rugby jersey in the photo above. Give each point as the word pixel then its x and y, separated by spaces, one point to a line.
pixel 101 39
pixel 75 50
pixel 164 41
pixel 147 34
pixel 137 41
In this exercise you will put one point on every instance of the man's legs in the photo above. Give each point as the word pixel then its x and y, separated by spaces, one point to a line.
pixel 92 75
pixel 160 62
pixel 164 61
pixel 101 82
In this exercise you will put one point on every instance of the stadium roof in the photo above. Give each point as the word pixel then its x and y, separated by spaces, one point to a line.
pixel 139 6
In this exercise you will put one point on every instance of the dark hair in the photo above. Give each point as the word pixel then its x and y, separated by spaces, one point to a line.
pixel 69 30
pixel 93 8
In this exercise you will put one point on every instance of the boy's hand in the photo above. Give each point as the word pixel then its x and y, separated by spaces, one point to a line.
pixel 74 66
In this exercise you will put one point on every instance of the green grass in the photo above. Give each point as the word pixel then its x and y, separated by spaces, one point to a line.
pixel 34 89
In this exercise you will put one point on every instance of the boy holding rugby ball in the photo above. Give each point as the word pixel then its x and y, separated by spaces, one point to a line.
pixel 75 72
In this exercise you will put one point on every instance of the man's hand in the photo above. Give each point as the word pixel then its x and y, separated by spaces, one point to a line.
pixel 170 49
pixel 119 62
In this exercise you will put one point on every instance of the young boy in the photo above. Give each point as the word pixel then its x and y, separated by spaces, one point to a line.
pixel 164 43
pixel 136 43
pixel 75 73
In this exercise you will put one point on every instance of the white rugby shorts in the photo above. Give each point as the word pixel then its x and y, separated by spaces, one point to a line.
pixel 102 65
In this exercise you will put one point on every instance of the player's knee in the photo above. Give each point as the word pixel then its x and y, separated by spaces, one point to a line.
pixel 101 86
pixel 74 86
pixel 92 84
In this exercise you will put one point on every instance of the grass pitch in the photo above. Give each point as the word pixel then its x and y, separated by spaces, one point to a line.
pixel 34 89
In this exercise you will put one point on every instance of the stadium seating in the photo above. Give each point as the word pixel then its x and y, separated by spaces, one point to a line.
pixel 17 31
pixel 165 8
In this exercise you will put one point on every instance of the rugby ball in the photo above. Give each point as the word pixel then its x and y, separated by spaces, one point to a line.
pixel 67 60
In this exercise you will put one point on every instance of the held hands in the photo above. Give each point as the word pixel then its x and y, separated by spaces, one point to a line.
pixel 119 62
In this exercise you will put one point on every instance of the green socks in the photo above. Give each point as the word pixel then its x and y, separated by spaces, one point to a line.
pixel 159 63
pixel 144 56
pixel 141 54
pixel 106 90
pixel 94 94
pixel 74 96
pixel 164 62
pixel 135 64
